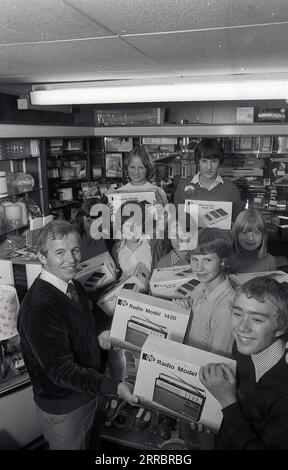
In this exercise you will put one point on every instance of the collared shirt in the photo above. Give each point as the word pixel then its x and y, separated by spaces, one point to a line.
pixel 54 280
pixel 196 180
pixel 266 359
pixel 210 323
pixel 128 259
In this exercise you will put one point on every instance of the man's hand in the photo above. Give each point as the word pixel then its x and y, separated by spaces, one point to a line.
pixel 125 391
pixel 104 340
pixel 220 380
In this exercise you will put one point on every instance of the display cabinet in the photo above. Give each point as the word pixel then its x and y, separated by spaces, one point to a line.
pixel 21 184
pixel 68 167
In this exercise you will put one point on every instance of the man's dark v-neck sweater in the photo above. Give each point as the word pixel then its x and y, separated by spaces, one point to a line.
pixel 60 347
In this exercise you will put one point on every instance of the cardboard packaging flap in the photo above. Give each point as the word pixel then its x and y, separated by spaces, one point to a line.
pixel 239 279
pixel 173 282
pixel 137 281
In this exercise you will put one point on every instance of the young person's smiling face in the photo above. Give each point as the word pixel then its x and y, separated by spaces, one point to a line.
pixel 254 324
pixel 250 240
pixel 207 267
pixel 137 171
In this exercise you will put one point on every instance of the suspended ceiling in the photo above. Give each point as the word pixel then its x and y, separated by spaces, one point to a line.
pixel 82 40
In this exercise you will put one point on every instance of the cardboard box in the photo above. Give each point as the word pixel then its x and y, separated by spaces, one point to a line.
pixel 118 144
pixel 97 271
pixel 6 272
pixel 245 114
pixel 138 316
pixel 212 213
pixel 239 279
pixel 32 270
pixel 168 380
pixel 137 281
pixel 118 198
pixel 174 282
pixel 159 140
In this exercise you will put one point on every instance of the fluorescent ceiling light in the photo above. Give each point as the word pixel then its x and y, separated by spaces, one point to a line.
pixel 130 92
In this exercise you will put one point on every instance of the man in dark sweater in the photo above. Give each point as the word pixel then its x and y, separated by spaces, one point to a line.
pixel 59 340
pixel 207 184
pixel 255 402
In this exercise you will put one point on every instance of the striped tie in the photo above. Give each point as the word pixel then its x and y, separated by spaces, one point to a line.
pixel 72 292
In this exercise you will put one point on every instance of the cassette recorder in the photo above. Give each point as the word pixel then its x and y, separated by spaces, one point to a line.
pixel 138 329
pixel 179 396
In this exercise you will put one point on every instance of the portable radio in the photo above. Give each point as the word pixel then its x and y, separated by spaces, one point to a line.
pixel 188 287
pixel 138 329
pixel 215 216
pixel 178 396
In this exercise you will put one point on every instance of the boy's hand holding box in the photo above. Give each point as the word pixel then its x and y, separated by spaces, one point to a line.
pixel 98 271
pixel 168 380
pixel 138 316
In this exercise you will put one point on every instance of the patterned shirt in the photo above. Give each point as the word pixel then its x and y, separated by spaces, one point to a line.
pixel 209 327
pixel 218 180
pixel 128 259
pixel 266 359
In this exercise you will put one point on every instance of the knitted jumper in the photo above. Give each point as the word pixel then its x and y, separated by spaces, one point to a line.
pixel 60 347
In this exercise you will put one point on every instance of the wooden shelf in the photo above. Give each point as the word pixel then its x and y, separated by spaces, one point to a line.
pixel 14 229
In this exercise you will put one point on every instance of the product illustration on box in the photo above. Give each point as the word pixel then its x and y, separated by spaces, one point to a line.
pixel 173 282
pixel 168 380
pixel 138 330
pixel 179 396
pixel 139 316
pixel 212 213
pixel 97 271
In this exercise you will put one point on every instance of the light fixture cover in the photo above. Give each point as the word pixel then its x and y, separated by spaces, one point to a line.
pixel 141 91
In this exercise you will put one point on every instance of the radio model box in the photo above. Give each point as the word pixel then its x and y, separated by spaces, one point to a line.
pixel 137 281
pixel 168 381
pixel 98 271
pixel 174 282
pixel 118 198
pixel 138 316
pixel 216 214
pixel 237 280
